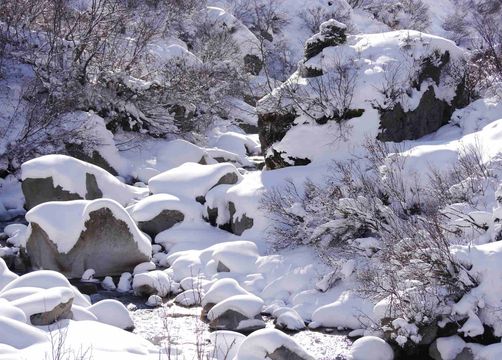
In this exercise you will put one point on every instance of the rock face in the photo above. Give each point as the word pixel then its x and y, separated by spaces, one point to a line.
pixel 397 125
pixel 235 321
pixel 106 245
pixel 235 226
pixel 163 221
pixel 38 191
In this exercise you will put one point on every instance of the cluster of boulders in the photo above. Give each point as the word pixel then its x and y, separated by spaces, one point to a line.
pixel 81 217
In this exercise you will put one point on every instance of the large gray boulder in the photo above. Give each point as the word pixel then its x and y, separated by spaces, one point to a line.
pixel 97 235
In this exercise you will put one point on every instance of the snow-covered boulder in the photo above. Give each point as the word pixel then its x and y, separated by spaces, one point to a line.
pixel 271 344
pixel 371 348
pixel 63 178
pixel 155 282
pixel 160 212
pixel 112 312
pixel 237 313
pixel 289 319
pixel 398 85
pixel 192 180
pixel 219 291
pixel 73 236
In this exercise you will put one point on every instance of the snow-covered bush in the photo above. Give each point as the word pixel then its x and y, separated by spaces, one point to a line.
pixel 398 230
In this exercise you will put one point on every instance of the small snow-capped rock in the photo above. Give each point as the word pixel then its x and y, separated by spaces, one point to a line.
pixel 371 348
pixel 154 301
pixel 108 283
pixel 155 282
pixel 271 344
pixel 237 313
pixel 113 313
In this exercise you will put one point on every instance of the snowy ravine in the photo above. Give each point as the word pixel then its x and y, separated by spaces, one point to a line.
pixel 250 180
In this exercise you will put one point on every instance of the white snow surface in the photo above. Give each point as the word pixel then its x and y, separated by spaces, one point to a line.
pixel 151 206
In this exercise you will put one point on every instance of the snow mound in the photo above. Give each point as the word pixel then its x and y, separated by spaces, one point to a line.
pixel 151 206
pixel 371 348
pixel 112 312
pixel 6 276
pixel 44 300
pixel 222 289
pixel 65 221
pixel 45 279
pixel 192 180
pixel 70 174
pixel 189 297
pixel 261 343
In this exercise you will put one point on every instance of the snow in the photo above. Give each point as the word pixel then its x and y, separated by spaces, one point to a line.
pixel 190 180
pixel 221 290
pixel 450 347
pixel 263 342
pixel 44 300
pixel 189 297
pixel 226 343
pixel 45 279
pixel 289 319
pixel 371 348
pixel 64 221
pixel 151 206
pixel 108 283
pixel 143 268
pixel 248 305
pixel 70 174
pixel 6 276
pixel 112 312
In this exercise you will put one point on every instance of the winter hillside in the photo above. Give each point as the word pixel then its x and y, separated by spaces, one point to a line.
pixel 250 180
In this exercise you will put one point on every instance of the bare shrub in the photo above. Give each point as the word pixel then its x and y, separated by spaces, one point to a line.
pixel 326 97
pixel 404 14
pixel 315 16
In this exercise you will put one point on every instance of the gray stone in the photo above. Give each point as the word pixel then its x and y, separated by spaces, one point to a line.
pixel 231 320
pixel 283 353
pixel 163 221
pixel 222 267
pixel 106 245
pixel 41 190
pixel 61 311
pixel 330 35
pixel 205 310
pixel 239 226
pixel 252 64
